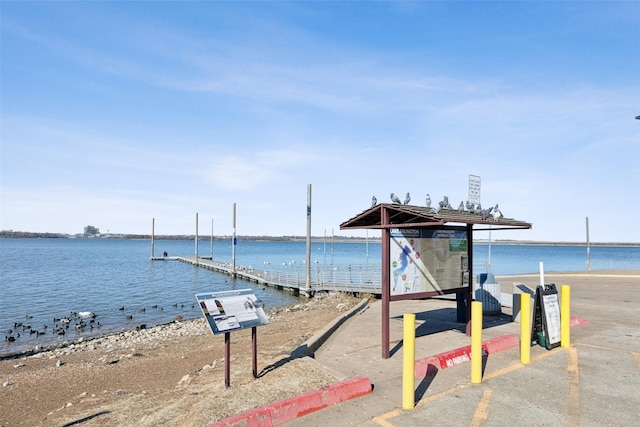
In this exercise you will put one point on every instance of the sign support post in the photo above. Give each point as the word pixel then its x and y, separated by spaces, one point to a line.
pixel 227 359
pixel 254 351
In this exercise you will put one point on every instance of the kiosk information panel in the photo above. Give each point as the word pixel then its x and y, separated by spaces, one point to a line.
pixel 232 310
pixel 427 259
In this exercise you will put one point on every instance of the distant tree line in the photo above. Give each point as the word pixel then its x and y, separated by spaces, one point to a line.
pixel 29 234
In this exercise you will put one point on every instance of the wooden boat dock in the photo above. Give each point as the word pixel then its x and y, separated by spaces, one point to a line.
pixel 354 279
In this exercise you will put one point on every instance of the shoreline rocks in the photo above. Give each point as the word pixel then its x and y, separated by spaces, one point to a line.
pixel 131 338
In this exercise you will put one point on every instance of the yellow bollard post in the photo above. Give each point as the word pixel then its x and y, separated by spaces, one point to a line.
pixel 476 342
pixel 525 328
pixel 565 317
pixel 408 361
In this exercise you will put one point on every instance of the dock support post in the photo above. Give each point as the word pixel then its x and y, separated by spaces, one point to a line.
pixel 233 244
pixel 196 238
pixel 308 262
pixel 153 228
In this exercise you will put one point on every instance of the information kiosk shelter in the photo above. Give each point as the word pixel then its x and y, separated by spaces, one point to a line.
pixel 426 253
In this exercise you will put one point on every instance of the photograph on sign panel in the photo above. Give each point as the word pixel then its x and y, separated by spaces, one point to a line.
pixel 426 260
pixel 226 323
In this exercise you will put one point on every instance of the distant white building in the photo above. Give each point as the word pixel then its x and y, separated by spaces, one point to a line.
pixel 91 231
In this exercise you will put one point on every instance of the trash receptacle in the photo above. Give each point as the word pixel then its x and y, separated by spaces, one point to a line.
pixel 489 293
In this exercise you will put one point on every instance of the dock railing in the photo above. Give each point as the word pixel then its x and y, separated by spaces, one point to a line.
pixel 361 278
pixel 346 278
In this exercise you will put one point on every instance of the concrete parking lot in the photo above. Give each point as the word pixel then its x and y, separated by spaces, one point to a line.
pixel 594 382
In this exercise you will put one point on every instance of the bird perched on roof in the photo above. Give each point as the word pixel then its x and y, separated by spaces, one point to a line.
pixel 497 213
pixel 486 213
pixel 428 201
pixel 461 207
pixel 444 204
pixel 469 206
pixel 407 199
pixel 374 201
pixel 395 199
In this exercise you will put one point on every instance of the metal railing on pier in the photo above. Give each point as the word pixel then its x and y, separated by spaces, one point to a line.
pixel 360 278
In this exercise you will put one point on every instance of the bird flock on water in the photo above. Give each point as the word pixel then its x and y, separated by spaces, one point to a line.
pixel 78 322
pixel 492 212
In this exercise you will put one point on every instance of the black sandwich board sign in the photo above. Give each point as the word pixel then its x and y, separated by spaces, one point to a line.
pixel 545 327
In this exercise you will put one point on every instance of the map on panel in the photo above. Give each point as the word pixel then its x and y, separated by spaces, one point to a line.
pixel 426 260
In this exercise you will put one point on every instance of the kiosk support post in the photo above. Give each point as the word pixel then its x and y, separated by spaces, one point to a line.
pixel 386 286
pixel 469 292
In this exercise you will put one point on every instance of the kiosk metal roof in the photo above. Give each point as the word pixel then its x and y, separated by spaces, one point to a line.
pixel 406 216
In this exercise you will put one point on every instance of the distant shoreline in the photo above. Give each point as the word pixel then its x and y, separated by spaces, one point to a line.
pixel 315 239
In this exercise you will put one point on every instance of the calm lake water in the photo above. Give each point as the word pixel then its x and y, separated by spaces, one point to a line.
pixel 43 279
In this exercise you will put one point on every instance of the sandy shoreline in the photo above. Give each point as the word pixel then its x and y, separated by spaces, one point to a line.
pixel 171 374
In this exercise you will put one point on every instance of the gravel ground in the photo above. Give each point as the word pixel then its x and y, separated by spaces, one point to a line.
pixel 167 375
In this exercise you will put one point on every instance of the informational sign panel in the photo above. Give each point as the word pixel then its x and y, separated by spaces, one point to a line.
pixel 427 259
pixel 552 316
pixel 474 190
pixel 231 310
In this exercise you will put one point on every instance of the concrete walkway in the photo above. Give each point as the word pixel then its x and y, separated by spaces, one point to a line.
pixel 593 383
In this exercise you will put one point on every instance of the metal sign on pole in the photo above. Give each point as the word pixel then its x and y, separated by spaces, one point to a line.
pixel 474 189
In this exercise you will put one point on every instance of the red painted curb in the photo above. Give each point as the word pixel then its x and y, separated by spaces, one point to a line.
pixel 463 354
pixel 502 343
pixel 284 410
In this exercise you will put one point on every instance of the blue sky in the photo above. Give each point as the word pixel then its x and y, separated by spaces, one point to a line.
pixel 114 113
